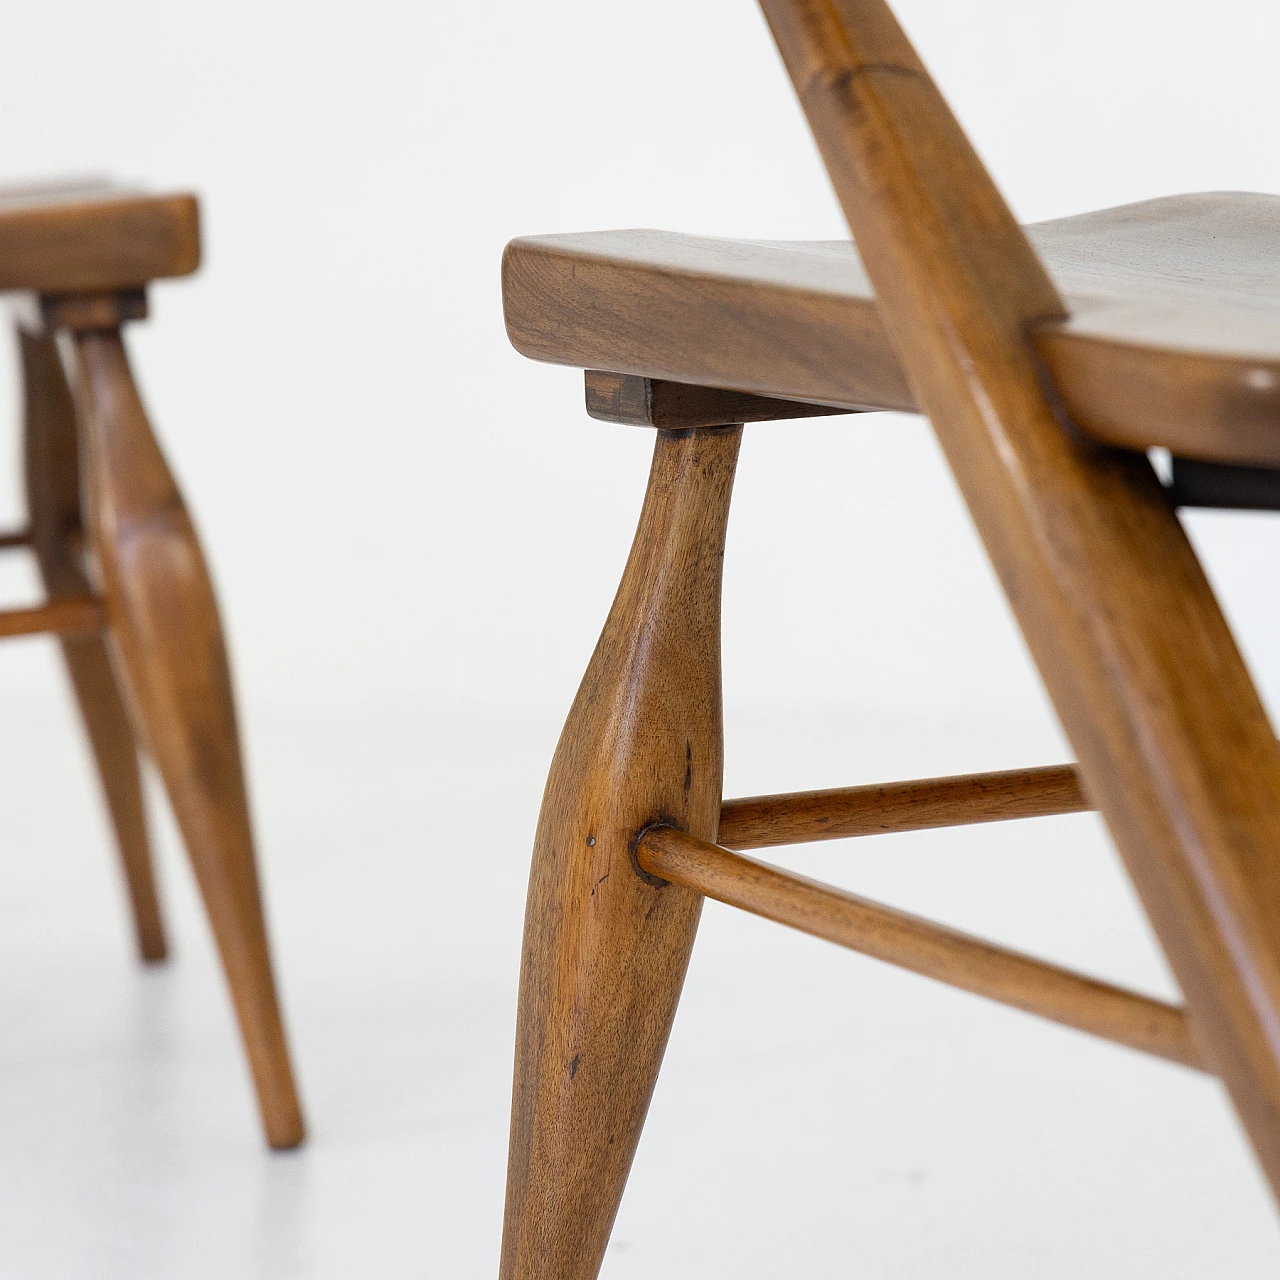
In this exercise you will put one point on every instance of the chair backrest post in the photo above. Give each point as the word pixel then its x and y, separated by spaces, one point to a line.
pixel 1174 744
pixel 941 246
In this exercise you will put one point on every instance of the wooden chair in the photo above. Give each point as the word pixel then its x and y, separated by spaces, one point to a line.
pixel 1048 360
pixel 129 595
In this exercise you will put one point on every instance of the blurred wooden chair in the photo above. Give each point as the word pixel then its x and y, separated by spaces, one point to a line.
pixel 129 595
pixel 1049 359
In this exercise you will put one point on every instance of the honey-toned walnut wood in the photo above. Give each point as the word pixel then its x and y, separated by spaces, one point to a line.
pixel 605 951
pixel 650 402
pixel 760 822
pixel 69 615
pixel 78 256
pixel 92 237
pixel 1173 742
pixel 1173 337
pixel 165 630
pixel 933 950
pixel 51 453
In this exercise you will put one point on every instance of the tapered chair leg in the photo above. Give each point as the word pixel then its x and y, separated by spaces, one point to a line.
pixel 164 623
pixel 53 504
pixel 605 948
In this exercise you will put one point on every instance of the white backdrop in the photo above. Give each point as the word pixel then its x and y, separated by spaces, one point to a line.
pixel 399 509
pixel 417 534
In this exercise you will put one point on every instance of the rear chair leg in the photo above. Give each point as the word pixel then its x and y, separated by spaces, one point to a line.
pixel 164 624
pixel 605 949
pixel 53 505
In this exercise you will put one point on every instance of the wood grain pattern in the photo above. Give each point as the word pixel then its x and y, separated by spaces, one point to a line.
pixel 932 950
pixel 51 454
pixel 605 951
pixel 166 633
pixel 760 822
pixel 1173 337
pixel 1173 742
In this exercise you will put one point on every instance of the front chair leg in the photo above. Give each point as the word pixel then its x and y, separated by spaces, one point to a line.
pixel 606 948
pixel 53 506
pixel 164 622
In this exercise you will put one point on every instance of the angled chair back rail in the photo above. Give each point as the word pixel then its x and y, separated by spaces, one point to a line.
pixel 1173 742
pixel 908 942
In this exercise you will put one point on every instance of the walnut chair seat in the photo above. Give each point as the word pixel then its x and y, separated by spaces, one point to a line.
pixel 1173 337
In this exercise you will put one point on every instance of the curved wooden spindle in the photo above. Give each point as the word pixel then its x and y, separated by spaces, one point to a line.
pixel 163 619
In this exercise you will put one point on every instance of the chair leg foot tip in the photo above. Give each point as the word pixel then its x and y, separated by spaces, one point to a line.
pixel 288 1137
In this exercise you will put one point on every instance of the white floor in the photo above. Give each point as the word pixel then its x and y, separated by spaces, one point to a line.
pixel 819 1115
